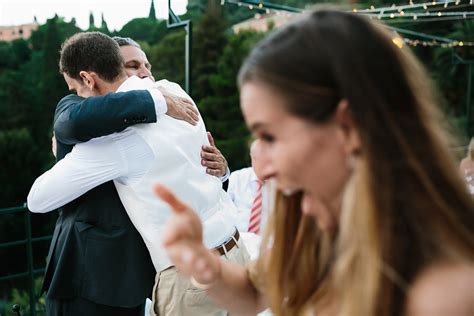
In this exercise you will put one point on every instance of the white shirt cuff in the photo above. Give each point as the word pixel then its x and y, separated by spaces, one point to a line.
pixel 160 104
pixel 226 176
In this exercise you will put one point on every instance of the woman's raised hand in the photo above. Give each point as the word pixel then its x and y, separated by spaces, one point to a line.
pixel 182 240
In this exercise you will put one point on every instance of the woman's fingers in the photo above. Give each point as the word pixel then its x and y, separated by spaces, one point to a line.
pixel 182 239
pixel 184 224
pixel 166 195
pixel 195 261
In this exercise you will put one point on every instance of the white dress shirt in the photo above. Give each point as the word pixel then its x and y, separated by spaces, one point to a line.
pixel 242 189
pixel 168 152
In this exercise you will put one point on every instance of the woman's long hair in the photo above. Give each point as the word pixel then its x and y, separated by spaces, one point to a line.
pixel 405 206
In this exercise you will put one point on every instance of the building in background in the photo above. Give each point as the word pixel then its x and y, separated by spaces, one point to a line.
pixel 263 22
pixel 11 33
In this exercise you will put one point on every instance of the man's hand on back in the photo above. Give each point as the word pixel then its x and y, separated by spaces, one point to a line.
pixel 180 108
pixel 212 159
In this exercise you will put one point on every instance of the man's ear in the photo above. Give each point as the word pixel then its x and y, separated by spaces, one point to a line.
pixel 88 79
pixel 350 133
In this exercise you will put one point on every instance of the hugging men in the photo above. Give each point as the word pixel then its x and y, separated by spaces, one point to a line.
pixel 134 157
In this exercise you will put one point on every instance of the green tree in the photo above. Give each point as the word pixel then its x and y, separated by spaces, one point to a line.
pixel 21 50
pixel 104 28
pixel 451 71
pixel 53 87
pixel 152 14
pixel 7 57
pixel 167 57
pixel 145 30
pixel 91 21
pixel 209 39
pixel 65 29
pixel 220 108
pixel 18 149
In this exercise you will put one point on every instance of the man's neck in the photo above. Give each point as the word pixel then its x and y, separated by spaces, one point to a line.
pixel 108 87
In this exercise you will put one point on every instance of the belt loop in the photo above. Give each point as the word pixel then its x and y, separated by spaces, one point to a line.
pixel 235 240
pixel 225 251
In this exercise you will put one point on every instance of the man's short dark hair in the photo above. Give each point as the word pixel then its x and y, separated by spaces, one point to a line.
pixel 126 41
pixel 91 51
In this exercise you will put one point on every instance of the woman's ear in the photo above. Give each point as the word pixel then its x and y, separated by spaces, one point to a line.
pixel 88 79
pixel 348 127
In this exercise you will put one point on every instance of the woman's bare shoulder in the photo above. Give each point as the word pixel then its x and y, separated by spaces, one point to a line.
pixel 443 289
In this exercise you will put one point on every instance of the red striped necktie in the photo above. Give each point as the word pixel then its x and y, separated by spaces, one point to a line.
pixel 256 210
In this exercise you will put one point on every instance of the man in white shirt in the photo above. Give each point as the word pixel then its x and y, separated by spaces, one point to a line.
pixel 136 63
pixel 167 151
pixel 244 188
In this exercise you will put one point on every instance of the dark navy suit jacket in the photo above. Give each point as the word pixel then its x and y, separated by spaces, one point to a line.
pixel 96 252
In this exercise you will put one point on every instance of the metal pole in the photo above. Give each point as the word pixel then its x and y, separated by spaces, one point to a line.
pixel 468 100
pixel 29 257
pixel 173 22
pixel 187 57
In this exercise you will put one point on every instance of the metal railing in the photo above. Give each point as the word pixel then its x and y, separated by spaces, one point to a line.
pixel 28 241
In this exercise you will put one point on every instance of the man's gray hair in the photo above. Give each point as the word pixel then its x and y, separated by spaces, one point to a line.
pixel 126 41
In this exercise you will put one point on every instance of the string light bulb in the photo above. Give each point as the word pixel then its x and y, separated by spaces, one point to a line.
pixel 398 42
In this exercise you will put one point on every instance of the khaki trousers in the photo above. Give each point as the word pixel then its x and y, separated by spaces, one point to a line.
pixel 174 295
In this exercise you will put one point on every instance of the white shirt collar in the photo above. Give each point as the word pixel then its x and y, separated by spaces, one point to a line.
pixel 135 83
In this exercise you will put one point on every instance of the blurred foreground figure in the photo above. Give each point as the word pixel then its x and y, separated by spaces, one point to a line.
pixel 364 224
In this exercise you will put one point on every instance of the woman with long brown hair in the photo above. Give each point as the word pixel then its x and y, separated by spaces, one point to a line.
pixel 364 223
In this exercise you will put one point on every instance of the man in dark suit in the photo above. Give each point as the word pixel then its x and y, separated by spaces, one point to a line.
pixel 98 263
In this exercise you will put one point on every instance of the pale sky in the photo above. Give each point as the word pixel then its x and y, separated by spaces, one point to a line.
pixel 116 12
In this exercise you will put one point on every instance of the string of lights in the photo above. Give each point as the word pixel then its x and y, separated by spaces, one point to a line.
pixel 411 6
pixel 381 13
pixel 418 42
pixel 414 21
pixel 268 7
pixel 397 12
pixel 432 40
pixel 418 15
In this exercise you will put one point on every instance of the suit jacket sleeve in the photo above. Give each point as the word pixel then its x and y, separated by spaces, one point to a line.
pixel 78 120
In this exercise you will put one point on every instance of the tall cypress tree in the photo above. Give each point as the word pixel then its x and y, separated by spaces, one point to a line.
pixel 52 83
pixel 209 40
pixel 220 109
pixel 103 25
pixel 91 21
pixel 152 14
